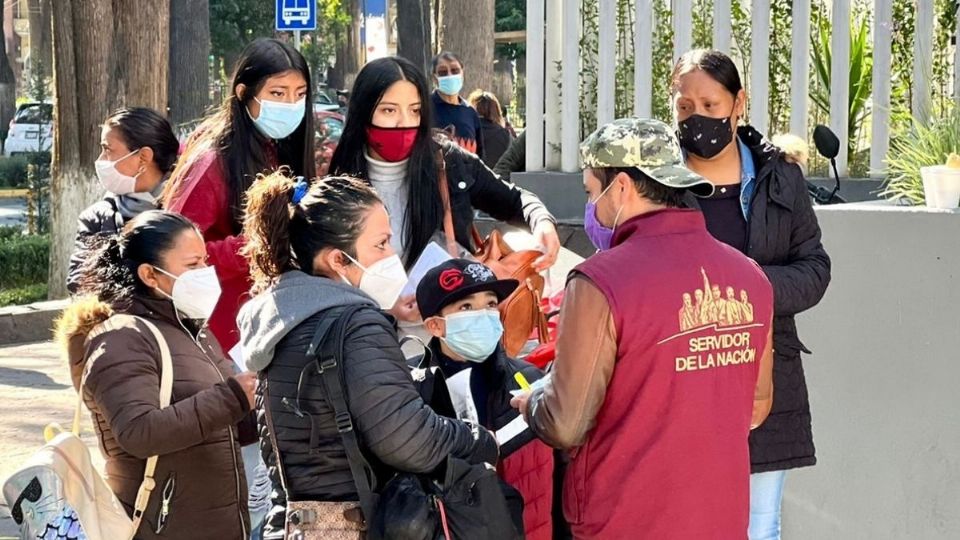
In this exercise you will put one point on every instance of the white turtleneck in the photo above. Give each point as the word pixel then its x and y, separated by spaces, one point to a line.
pixel 389 181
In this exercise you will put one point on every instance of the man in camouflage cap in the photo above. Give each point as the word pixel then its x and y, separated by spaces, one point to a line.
pixel 658 407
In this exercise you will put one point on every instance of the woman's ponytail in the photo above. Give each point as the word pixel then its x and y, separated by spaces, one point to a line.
pixel 266 227
pixel 105 273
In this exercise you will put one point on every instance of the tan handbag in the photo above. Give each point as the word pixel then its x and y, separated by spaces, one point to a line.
pixel 520 313
pixel 62 471
pixel 314 520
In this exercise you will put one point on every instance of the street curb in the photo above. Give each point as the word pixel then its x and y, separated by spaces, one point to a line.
pixel 29 323
pixel 14 193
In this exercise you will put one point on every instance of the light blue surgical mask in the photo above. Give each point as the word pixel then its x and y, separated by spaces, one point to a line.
pixel 278 120
pixel 450 85
pixel 474 335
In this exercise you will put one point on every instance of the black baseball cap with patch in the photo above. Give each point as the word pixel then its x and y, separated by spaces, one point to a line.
pixel 455 280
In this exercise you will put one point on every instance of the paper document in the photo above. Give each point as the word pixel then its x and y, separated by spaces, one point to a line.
pixel 433 255
pixel 515 427
pixel 236 354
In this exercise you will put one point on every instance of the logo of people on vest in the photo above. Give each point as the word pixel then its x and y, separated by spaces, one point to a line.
pixel 717 327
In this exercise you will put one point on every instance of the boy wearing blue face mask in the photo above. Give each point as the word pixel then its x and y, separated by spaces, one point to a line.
pixel 458 301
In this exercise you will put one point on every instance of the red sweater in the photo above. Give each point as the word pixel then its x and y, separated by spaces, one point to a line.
pixel 204 198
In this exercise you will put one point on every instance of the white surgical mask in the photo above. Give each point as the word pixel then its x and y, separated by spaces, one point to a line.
pixel 383 281
pixel 277 119
pixel 195 292
pixel 113 180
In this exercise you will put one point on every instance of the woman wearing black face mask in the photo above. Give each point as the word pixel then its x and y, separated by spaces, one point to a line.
pixel 388 141
pixel 761 208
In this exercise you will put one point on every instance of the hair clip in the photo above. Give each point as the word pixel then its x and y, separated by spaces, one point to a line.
pixel 300 190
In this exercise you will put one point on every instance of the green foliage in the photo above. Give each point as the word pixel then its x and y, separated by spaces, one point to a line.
pixel 510 15
pixel 861 73
pixel 235 23
pixel 19 296
pixel 13 172
pixel 320 46
pixel 779 69
pixel 10 231
pixel 24 260
pixel 662 60
pixel 921 146
pixel 38 194
pixel 702 24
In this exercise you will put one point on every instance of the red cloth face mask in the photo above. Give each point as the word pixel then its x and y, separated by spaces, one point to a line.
pixel 392 144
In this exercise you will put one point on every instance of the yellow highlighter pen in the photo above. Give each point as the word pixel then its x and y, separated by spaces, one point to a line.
pixel 522 381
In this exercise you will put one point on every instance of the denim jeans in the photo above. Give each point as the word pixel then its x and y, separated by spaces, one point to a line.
pixel 259 503
pixel 766 494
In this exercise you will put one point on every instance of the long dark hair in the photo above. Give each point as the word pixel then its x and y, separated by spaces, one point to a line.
pixel 233 135
pixel 283 235
pixel 716 64
pixel 111 273
pixel 140 127
pixel 424 209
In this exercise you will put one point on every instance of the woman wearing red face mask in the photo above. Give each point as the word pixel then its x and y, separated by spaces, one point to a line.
pixel 388 141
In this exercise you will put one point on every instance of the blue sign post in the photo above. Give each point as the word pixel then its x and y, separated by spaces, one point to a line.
pixel 296 15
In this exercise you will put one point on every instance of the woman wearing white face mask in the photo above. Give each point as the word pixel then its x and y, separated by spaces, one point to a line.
pixel 138 152
pixel 265 123
pixel 313 250
pixel 156 271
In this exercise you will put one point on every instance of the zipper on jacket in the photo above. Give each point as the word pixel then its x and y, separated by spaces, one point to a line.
pixel 233 447
pixel 169 488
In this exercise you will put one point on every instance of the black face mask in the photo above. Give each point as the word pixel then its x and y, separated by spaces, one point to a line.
pixel 704 136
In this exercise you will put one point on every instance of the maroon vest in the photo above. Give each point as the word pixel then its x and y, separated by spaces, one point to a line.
pixel 668 456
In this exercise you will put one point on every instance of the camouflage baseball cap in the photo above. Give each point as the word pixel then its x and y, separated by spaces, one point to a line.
pixel 646 144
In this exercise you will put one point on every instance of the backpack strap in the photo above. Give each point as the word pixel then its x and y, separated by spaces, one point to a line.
pixel 166 393
pixel 328 349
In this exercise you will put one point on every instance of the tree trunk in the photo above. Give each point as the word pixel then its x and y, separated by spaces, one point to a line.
pixel 106 55
pixel 353 53
pixel 8 84
pixel 466 29
pixel 41 33
pixel 414 23
pixel 189 88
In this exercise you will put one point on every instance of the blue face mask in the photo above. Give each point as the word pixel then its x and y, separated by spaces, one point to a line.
pixel 450 85
pixel 474 335
pixel 278 120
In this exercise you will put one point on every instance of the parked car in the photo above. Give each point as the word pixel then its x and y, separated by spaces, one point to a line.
pixel 31 129
pixel 324 103
pixel 329 127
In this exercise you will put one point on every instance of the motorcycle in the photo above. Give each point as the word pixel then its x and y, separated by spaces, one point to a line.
pixel 828 146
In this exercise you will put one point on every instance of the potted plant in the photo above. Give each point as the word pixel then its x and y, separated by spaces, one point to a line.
pixel 924 145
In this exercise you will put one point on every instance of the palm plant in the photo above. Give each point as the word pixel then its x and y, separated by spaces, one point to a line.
pixel 923 145
pixel 861 74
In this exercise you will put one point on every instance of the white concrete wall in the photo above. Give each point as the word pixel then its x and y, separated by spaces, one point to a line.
pixel 884 381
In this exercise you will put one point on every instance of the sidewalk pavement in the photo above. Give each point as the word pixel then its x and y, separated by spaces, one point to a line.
pixel 35 385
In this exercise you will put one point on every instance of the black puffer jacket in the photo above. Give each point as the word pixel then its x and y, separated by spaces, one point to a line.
pixel 98 220
pixel 396 430
pixel 473 186
pixel 784 238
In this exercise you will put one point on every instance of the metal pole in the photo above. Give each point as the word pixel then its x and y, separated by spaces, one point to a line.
pixel 296 39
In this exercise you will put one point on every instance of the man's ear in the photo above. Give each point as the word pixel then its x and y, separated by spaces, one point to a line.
pixel 436 326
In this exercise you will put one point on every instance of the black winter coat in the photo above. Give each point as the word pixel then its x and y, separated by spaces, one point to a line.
pixel 474 186
pixel 396 430
pixel 98 220
pixel 784 238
